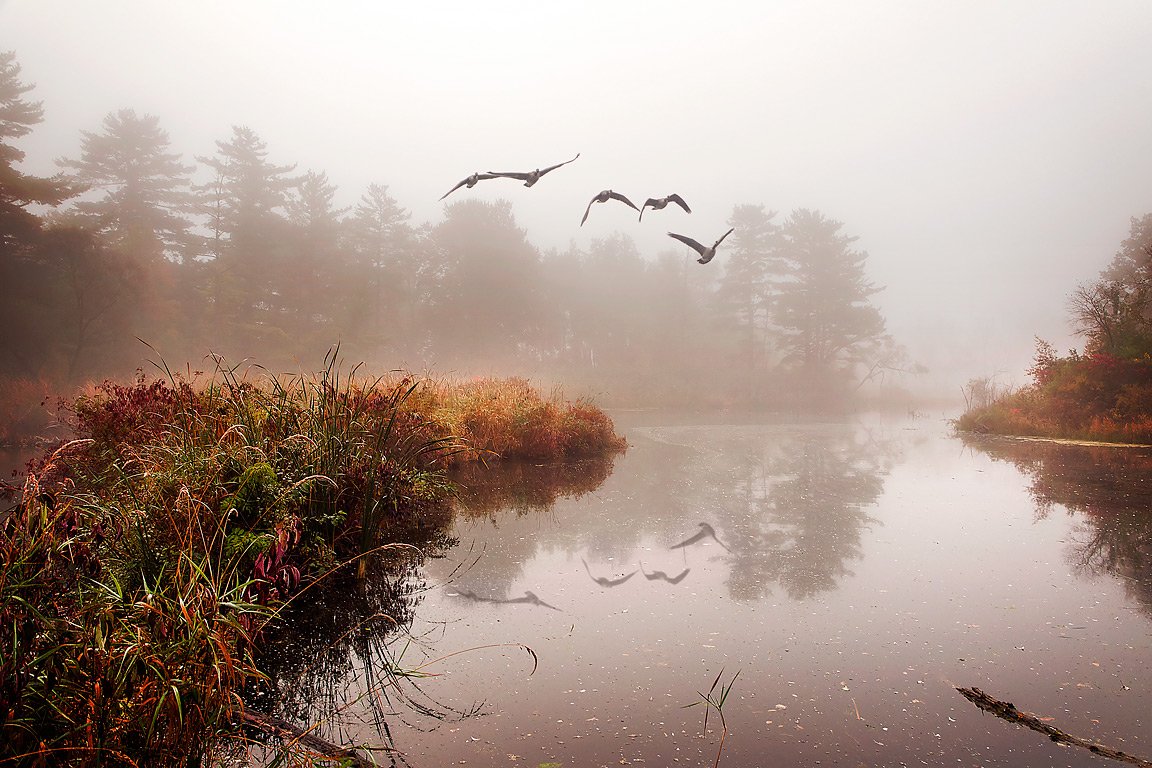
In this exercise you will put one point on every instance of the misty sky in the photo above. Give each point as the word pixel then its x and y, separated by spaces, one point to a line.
pixel 988 154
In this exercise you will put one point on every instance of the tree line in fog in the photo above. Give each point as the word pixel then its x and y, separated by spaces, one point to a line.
pixel 234 254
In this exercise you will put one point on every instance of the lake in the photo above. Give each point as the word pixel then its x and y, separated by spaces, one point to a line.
pixel 838 579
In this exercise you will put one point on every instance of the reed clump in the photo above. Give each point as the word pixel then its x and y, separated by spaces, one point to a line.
pixel 508 418
pixel 146 558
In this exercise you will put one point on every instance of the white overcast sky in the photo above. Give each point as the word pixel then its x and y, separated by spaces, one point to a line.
pixel 989 154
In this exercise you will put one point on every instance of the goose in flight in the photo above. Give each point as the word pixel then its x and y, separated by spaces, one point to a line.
pixel 531 177
pixel 470 182
pixel 705 530
pixel 706 253
pixel 605 196
pixel 659 203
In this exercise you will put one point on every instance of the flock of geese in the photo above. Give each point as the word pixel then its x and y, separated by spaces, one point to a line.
pixel 707 253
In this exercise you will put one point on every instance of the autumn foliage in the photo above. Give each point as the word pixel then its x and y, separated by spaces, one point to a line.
pixel 1097 396
pixel 144 560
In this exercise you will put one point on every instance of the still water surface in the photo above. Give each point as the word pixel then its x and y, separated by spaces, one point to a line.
pixel 852 574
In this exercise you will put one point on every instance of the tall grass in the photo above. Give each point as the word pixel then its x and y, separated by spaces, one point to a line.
pixel 509 419
pixel 145 561
pixel 103 670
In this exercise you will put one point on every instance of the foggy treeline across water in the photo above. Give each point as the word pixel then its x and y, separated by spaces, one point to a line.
pixel 236 254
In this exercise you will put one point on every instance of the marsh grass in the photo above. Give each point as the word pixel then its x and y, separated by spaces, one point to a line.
pixel 713 700
pixel 510 419
pixel 147 561
pixel 99 672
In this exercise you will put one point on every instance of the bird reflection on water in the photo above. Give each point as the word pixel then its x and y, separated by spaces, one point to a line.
pixel 605 582
pixel 529 598
pixel 663 576
pixel 706 531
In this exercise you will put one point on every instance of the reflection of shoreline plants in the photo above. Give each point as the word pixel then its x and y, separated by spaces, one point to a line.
pixel 1107 487
pixel 526 487
pixel 146 558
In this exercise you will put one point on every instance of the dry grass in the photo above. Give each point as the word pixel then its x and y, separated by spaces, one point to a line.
pixel 508 418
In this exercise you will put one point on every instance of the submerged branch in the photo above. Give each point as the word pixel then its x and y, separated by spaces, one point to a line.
pixel 1006 711
pixel 283 729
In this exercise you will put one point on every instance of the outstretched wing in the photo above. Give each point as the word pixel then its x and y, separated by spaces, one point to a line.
pixel 619 581
pixel 462 183
pixel 675 198
pixel 509 175
pixel 554 167
pixel 621 198
pixel 689 242
pixel 469 182
pixel 586 210
pixel 723 236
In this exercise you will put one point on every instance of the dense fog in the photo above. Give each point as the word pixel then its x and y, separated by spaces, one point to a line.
pixel 914 191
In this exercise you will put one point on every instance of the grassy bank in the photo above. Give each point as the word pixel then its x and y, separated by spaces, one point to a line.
pixel 1094 397
pixel 149 554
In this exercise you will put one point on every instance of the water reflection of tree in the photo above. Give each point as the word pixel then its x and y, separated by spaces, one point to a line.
pixel 519 499
pixel 1109 490
pixel 806 496
pixel 790 501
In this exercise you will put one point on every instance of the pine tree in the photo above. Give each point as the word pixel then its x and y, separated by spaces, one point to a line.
pixel 823 308
pixel 146 194
pixel 243 203
pixel 18 226
pixel 483 285
pixel 380 277
pixel 31 329
pixel 246 187
pixel 305 283
pixel 753 269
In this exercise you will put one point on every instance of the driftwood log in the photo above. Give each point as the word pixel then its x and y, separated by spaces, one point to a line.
pixel 285 730
pixel 1006 711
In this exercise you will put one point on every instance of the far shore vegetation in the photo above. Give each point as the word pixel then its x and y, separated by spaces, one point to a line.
pixel 1103 393
pixel 147 557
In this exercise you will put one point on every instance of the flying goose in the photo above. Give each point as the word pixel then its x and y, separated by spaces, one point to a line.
pixel 531 177
pixel 470 182
pixel 605 196
pixel 706 253
pixel 659 203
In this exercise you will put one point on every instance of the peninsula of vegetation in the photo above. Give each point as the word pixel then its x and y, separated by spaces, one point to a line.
pixel 1101 394
pixel 146 559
